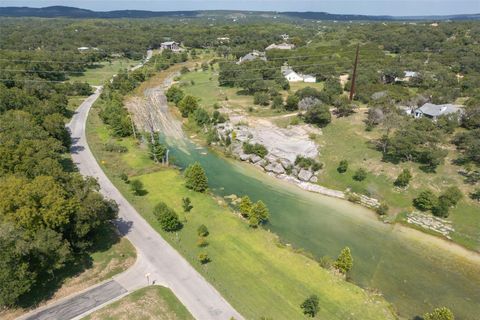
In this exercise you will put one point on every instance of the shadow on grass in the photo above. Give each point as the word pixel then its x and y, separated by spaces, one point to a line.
pixel 48 284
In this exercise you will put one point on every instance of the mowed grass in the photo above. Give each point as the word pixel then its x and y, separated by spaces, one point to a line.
pixel 112 255
pixel 103 71
pixel 346 138
pixel 251 269
pixel 154 302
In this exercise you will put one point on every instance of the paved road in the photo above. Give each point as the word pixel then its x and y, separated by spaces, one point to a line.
pixel 155 256
pixel 81 303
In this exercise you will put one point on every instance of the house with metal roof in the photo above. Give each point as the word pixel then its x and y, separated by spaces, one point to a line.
pixel 254 55
pixel 433 111
pixel 281 46
pixel 170 45
pixel 293 76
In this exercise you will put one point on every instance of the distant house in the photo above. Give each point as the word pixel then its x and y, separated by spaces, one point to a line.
pixel 223 39
pixel 433 111
pixel 407 76
pixel 293 76
pixel 170 45
pixel 281 46
pixel 285 36
pixel 254 55
pixel 81 49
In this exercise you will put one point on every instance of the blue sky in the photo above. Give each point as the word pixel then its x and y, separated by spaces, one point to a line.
pixel 373 7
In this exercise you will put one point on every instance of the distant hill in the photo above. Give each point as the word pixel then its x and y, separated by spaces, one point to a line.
pixel 70 12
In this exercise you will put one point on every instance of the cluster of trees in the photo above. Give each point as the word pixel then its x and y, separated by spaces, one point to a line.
pixel 440 205
pixel 257 213
pixel 50 216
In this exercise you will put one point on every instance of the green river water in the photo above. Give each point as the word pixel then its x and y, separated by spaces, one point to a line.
pixel 413 275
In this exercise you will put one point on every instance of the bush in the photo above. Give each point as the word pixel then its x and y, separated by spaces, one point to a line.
pixel 202 242
pixel 439 314
pixel 187 204
pixel 245 206
pixel 425 201
pixel 451 196
pixel 258 214
pixel 403 178
pixel 475 195
pixel 124 177
pixel 137 187
pixel 256 148
pixel 113 147
pixel 187 105
pixel 174 94
pixel 344 262
pixel 277 102
pixel 203 258
pixel 261 98
pixel 292 103
pixel 319 115
pixel 310 306
pixel 167 217
pixel 202 231
pixel 360 174
pixel 342 166
pixel 382 209
pixel 201 117
pixel 308 163
pixel 326 262
pixel 196 178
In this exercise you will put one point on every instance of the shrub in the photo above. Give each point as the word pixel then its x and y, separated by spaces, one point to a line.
pixel 451 196
pixel 360 174
pixel 353 197
pixel 439 314
pixel 203 258
pixel 174 94
pixel 342 166
pixel 310 306
pixel 202 231
pixel 475 195
pixel 326 262
pixel 403 178
pixel 113 147
pixel 137 187
pixel 167 217
pixel 187 105
pixel 425 201
pixel 256 148
pixel 187 204
pixel 319 115
pixel 261 98
pixel 382 209
pixel 124 177
pixel 292 103
pixel 245 206
pixel 277 102
pixel 201 117
pixel 258 214
pixel 344 262
pixel 196 178
pixel 202 242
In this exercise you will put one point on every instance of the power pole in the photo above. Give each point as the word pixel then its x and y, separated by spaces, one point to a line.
pixel 354 75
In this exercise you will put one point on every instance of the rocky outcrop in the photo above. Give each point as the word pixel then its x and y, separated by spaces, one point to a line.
pixel 433 223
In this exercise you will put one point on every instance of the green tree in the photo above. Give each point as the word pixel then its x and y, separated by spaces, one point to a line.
pixel 277 102
pixel 174 94
pixel 403 178
pixel 425 201
pixel 258 214
pixel 439 314
pixel 196 179
pixel 261 98
pixel 187 204
pixel 202 230
pixel 137 187
pixel 167 217
pixel 360 174
pixel 451 196
pixel 310 306
pixel 342 166
pixel 245 206
pixel 344 262
pixel 157 149
pixel 319 114
pixel 187 106
pixel 292 103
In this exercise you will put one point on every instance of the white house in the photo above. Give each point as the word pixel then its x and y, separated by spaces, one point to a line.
pixel 407 75
pixel 293 76
pixel 281 46
pixel 170 45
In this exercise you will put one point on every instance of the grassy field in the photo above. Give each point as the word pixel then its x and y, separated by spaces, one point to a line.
pixel 103 71
pixel 346 138
pixel 155 302
pixel 252 270
pixel 111 256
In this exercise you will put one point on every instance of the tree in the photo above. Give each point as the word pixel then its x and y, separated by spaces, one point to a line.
pixel 261 98
pixel 186 204
pixel 245 206
pixel 157 150
pixel 403 178
pixel 187 105
pixel 258 214
pixel 201 117
pixel 174 94
pixel 310 306
pixel 137 187
pixel 319 115
pixel 360 174
pixel 451 196
pixel 167 217
pixel 425 201
pixel 439 314
pixel 202 231
pixel 344 262
pixel 292 103
pixel 277 102
pixel 342 166
pixel 196 178
pixel 55 126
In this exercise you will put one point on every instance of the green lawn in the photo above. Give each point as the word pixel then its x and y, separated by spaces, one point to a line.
pixel 256 274
pixel 103 71
pixel 153 302
pixel 346 138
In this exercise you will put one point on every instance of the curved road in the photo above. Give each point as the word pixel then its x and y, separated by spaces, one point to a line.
pixel 157 262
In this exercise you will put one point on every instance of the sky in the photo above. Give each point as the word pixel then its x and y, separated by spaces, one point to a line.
pixel 370 7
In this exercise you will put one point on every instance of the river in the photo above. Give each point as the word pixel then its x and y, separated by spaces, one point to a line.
pixel 413 274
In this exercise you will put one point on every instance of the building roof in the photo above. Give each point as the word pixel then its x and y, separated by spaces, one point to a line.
pixel 253 56
pixel 410 74
pixel 281 46
pixel 168 43
pixel 435 110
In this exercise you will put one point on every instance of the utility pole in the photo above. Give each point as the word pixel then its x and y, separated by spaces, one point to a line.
pixel 354 75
